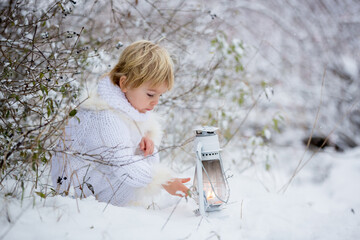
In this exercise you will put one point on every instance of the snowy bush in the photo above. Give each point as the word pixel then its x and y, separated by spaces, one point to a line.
pixel 40 80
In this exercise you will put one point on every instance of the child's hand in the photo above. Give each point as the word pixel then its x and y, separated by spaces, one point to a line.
pixel 176 187
pixel 147 145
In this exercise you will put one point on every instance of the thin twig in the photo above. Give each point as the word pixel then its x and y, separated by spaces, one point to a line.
pixel 243 121
pixel 241 209
pixel 283 189
pixel 198 226
pixel 12 224
pixel 167 220
pixel 300 167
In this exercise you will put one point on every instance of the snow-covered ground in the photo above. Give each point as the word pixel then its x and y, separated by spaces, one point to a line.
pixel 323 202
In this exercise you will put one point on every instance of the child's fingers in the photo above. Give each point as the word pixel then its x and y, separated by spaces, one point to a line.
pixel 149 147
pixel 142 144
pixel 183 188
pixel 182 192
pixel 184 180
pixel 147 151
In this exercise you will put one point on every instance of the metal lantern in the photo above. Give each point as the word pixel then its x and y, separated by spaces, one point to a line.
pixel 210 186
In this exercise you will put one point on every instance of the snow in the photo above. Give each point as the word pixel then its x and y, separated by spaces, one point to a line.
pixel 312 208
pixel 350 66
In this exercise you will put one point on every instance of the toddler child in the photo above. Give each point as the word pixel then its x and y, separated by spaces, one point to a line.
pixel 109 149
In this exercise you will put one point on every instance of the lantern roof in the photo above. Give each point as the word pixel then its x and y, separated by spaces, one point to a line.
pixel 205 129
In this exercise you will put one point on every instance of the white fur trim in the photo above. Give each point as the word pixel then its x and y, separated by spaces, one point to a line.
pixel 151 127
pixel 144 196
pixel 94 102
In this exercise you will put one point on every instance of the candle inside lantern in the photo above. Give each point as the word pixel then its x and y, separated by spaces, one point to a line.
pixel 210 195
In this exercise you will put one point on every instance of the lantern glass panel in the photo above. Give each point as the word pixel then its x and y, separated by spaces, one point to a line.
pixel 215 175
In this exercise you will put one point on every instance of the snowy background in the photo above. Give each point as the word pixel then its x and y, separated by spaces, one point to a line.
pixel 269 74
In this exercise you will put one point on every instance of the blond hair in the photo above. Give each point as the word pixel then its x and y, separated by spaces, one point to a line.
pixel 144 61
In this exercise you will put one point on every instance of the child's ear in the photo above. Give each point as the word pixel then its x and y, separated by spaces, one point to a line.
pixel 122 82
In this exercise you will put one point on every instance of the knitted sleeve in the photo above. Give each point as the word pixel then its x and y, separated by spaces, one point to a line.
pixel 97 157
pixel 118 153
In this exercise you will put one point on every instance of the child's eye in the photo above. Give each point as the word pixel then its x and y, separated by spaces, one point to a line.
pixel 150 95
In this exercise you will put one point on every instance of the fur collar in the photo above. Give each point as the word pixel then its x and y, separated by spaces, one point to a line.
pixel 107 96
pixel 111 96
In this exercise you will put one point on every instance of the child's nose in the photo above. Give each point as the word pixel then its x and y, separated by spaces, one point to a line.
pixel 155 102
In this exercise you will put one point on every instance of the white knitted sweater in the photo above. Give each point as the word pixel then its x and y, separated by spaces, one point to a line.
pixel 99 153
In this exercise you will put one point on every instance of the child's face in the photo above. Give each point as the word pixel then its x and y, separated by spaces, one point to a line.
pixel 144 98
